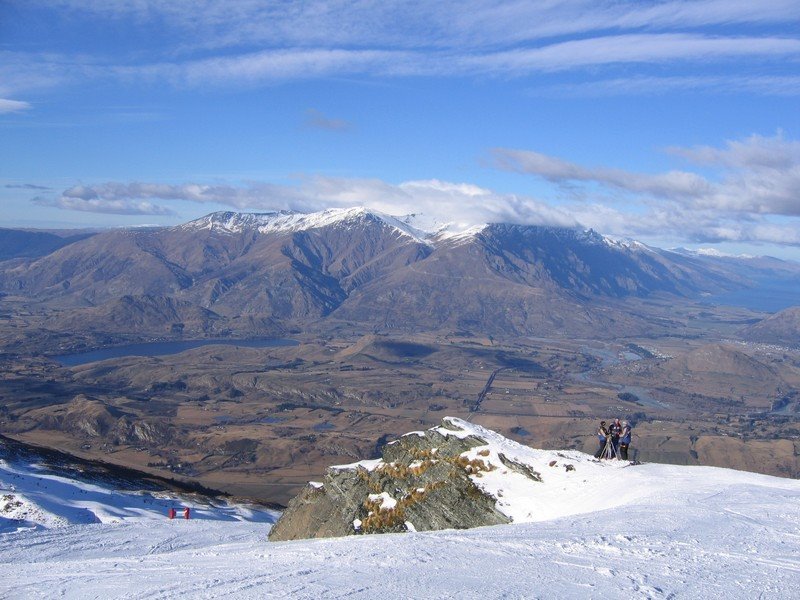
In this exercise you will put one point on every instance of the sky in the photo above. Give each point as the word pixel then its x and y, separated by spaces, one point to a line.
pixel 676 123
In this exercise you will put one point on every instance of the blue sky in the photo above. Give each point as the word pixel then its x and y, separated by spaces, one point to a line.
pixel 673 122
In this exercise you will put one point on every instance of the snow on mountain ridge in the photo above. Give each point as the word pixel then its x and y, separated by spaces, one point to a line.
pixel 714 253
pixel 289 221
pixel 421 228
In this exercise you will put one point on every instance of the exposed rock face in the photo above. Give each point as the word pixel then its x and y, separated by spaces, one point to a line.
pixel 424 481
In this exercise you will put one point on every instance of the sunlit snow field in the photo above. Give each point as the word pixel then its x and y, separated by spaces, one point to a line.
pixel 674 532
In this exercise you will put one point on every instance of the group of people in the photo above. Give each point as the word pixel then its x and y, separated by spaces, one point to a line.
pixel 615 439
pixel 171 513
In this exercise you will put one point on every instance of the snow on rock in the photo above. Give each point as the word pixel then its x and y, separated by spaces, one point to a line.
pixel 383 500
pixel 456 475
pixel 649 531
pixel 368 465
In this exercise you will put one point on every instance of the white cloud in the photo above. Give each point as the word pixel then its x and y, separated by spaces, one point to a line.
pixel 756 151
pixel 105 206
pixel 250 42
pixel 308 63
pixel 462 205
pixel 672 184
pixel 271 65
pixel 682 225
pixel 12 106
pixel 762 85
pixel 754 197
pixel 444 24
pixel 627 49
pixel 757 175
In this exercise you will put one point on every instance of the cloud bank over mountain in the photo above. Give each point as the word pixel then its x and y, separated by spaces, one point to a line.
pixel 744 190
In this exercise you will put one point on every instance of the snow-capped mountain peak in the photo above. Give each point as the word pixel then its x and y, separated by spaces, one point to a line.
pixel 422 228
pixel 712 252
pixel 626 244
pixel 289 221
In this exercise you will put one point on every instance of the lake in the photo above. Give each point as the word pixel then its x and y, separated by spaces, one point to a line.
pixel 163 349
pixel 768 295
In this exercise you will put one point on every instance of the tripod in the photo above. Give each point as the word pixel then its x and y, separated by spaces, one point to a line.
pixel 609 450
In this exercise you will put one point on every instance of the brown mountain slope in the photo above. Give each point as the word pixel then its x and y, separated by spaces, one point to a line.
pixel 511 279
pixel 781 328
pixel 364 268
pixel 157 315
pixel 721 359
pixel 712 377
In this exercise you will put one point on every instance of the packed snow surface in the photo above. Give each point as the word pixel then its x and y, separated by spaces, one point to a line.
pixel 601 530
pixel 33 498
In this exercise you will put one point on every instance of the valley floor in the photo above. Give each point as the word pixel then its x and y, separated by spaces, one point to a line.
pixel 713 533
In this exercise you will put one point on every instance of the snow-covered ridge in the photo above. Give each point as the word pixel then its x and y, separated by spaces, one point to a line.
pixel 692 532
pixel 420 228
pixel 713 253
pixel 287 221
pixel 33 497
pixel 627 244
pixel 572 482
pixel 417 227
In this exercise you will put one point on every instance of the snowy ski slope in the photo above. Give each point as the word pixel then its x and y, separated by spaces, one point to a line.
pixel 647 531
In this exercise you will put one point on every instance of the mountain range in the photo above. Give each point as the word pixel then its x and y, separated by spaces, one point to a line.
pixel 246 272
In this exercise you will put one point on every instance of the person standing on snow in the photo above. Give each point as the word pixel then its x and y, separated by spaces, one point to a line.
pixel 625 440
pixel 614 430
pixel 602 435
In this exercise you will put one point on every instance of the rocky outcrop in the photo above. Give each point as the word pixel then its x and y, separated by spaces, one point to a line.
pixel 424 481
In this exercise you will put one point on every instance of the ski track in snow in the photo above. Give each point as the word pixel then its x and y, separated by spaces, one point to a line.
pixel 668 532
pixel 638 552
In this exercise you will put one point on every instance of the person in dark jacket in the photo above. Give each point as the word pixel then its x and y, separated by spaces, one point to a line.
pixel 602 435
pixel 625 440
pixel 615 430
